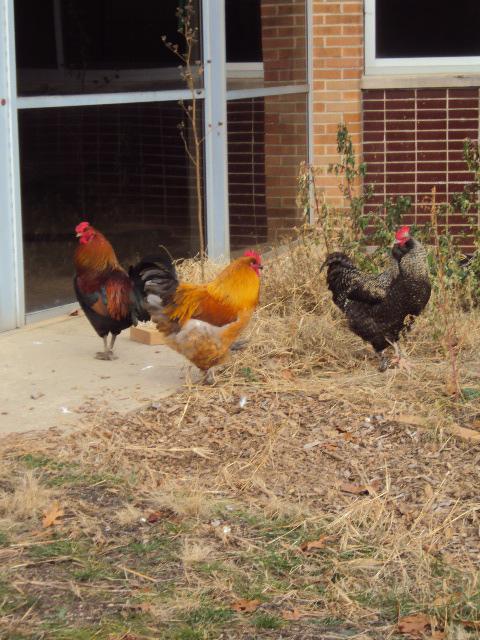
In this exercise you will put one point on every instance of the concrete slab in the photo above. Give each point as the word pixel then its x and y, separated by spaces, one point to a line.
pixel 49 377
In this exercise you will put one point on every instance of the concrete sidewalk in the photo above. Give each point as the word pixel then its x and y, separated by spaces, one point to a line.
pixel 49 377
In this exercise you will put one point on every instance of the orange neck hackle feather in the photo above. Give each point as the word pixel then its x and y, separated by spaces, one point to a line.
pixel 96 255
pixel 237 285
pixel 235 289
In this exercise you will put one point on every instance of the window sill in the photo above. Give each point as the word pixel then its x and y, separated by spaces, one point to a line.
pixel 420 81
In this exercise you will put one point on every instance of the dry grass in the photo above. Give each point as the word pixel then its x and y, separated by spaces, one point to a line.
pixel 25 499
pixel 218 487
pixel 195 551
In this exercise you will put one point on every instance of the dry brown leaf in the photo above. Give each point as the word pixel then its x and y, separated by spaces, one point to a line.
pixel 428 491
pixel 471 624
pixel 293 614
pixel 155 516
pixel 245 606
pixel 360 489
pixel 416 626
pixel 329 446
pixel 451 388
pixel 52 514
pixel 310 545
pixel 342 428
pixel 330 433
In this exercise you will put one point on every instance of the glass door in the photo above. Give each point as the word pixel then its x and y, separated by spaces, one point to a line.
pixel 99 136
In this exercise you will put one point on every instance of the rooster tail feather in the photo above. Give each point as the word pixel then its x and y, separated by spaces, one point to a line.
pixel 154 281
pixel 339 272
pixel 338 265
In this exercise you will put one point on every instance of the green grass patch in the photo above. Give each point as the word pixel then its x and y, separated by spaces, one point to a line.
pixel 58 548
pixel 280 564
pixel 76 477
pixel 4 539
pixel 93 571
pixel 33 461
pixel 208 615
pixel 163 545
pixel 10 599
pixel 263 620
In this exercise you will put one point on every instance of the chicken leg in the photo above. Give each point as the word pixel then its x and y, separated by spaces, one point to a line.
pixel 107 353
pixel 239 345
pixel 209 377
pixel 383 361
pixel 399 360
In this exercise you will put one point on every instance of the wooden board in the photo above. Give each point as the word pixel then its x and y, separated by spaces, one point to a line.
pixel 146 334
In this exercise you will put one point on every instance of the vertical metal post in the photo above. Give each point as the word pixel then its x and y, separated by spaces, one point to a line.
pixel 215 118
pixel 311 150
pixel 12 306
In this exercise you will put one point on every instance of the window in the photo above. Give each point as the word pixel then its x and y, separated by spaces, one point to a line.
pixel 122 167
pixel 266 43
pixel 408 36
pixel 96 46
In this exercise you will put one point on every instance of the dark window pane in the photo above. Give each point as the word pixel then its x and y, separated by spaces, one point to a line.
pixel 85 46
pixel 427 28
pixel 243 31
pixel 121 167
pixel 267 141
pixel 35 34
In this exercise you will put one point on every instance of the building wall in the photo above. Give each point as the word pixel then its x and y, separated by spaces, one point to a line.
pixel 337 71
pixel 284 39
pixel 411 139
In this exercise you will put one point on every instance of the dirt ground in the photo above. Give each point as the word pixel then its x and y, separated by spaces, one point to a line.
pixel 304 496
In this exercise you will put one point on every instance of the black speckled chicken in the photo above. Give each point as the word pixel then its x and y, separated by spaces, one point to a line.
pixel 379 308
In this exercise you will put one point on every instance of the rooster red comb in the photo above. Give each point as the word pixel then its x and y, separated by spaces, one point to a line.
pixel 402 233
pixel 80 228
pixel 250 253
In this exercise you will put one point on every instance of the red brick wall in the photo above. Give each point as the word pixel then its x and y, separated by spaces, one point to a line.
pixel 284 41
pixel 267 140
pixel 337 71
pixel 285 149
pixel 413 140
pixel 284 31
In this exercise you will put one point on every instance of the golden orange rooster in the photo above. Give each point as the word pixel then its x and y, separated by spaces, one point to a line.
pixel 203 321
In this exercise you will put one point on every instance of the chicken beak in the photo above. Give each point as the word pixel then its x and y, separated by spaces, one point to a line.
pixel 79 235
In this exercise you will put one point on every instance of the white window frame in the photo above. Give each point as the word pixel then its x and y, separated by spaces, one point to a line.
pixel 410 66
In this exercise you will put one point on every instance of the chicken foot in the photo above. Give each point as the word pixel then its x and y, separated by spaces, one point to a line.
pixel 239 345
pixel 399 360
pixel 107 353
pixel 383 361
pixel 209 377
